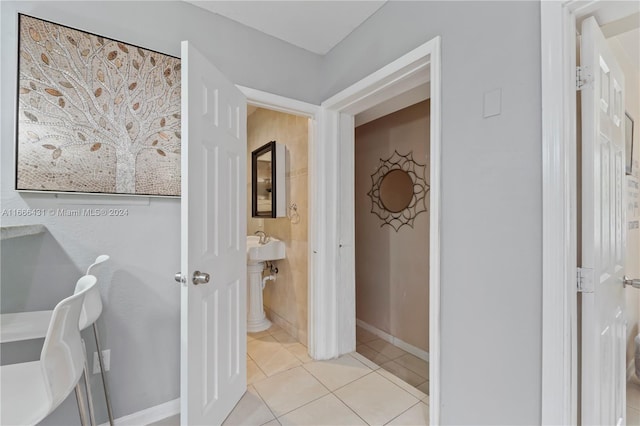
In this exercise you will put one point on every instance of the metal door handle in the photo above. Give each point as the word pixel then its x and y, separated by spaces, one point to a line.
pixel 632 282
pixel 179 277
pixel 200 278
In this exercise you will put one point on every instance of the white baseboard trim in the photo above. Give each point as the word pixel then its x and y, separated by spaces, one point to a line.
pixel 422 354
pixel 149 415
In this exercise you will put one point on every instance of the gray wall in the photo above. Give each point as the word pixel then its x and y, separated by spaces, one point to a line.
pixel 491 193
pixel 140 323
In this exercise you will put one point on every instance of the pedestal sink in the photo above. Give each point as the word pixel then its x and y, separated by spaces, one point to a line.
pixel 257 254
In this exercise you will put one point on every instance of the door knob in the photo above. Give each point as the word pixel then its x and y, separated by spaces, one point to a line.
pixel 200 278
pixel 627 281
pixel 179 277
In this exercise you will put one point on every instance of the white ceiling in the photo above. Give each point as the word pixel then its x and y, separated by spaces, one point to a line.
pixel 316 26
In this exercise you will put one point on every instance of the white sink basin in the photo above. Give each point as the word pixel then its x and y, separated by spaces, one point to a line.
pixel 256 252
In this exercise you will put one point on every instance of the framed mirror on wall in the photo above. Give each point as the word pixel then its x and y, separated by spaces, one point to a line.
pixel 268 194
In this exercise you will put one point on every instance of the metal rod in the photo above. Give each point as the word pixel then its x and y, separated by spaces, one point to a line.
pixel 87 386
pixel 80 400
pixel 104 380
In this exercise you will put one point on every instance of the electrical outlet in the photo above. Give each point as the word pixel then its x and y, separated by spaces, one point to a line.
pixel 106 358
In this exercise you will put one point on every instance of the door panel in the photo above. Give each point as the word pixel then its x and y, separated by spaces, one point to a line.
pixel 603 238
pixel 213 314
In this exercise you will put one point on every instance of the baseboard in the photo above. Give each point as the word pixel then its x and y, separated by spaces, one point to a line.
pixel 422 354
pixel 149 415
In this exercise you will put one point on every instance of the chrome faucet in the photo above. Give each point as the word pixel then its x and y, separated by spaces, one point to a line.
pixel 264 238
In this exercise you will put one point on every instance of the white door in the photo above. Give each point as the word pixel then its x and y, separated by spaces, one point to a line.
pixel 603 235
pixel 213 314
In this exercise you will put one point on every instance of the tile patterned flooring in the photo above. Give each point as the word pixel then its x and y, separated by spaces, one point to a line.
pixel 633 402
pixel 355 389
pixel 404 365
pixel 287 387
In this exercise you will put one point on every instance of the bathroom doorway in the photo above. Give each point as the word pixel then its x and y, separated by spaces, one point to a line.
pixel 392 235
pixel 283 344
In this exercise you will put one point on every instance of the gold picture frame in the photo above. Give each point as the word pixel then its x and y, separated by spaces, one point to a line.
pixel 95 115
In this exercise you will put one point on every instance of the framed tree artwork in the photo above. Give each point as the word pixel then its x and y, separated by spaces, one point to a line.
pixel 95 115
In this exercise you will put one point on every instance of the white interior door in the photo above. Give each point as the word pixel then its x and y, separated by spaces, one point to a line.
pixel 213 314
pixel 603 235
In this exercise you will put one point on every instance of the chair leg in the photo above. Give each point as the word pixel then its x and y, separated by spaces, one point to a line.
pixel 104 380
pixel 80 401
pixel 87 386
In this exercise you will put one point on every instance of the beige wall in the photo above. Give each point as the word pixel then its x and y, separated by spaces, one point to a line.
pixel 392 268
pixel 285 299
pixel 632 106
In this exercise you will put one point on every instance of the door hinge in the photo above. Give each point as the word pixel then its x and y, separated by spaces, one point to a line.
pixel 585 280
pixel 583 77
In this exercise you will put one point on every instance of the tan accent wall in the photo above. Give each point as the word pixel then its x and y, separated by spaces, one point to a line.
pixel 392 268
pixel 285 299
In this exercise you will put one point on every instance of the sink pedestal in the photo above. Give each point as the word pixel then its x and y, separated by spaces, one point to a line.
pixel 256 319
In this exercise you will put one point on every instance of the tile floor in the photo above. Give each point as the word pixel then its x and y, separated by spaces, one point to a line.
pixel 633 402
pixel 286 387
pixel 404 365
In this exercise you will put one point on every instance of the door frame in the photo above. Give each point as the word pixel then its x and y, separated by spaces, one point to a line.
pixel 286 105
pixel 559 393
pixel 336 167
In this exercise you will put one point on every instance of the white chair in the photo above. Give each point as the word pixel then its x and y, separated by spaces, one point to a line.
pixel 33 325
pixel 91 311
pixel 32 390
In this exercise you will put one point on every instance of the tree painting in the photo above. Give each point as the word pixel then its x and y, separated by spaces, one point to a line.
pixel 95 115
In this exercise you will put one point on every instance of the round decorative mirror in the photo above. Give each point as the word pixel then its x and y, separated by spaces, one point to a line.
pixel 399 190
pixel 396 190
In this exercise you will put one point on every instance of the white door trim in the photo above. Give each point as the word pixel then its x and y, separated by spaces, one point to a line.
pixel 337 162
pixel 316 226
pixel 559 237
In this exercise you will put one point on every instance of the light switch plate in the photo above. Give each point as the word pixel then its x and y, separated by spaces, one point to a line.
pixel 492 103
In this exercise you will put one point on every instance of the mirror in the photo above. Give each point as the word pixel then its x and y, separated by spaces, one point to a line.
pixel 396 190
pixel 268 180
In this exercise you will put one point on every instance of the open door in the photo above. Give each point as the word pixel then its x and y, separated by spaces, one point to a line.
pixel 213 226
pixel 603 232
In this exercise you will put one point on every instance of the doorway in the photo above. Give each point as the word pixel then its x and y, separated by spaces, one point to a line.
pixel 561 22
pixel 336 166
pixel 280 341
pixel 392 236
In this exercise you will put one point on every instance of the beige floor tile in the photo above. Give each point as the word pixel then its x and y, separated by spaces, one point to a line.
pixel 251 410
pixel 272 423
pixel 404 373
pixel 375 399
pixel 300 351
pixel 274 329
pixel 325 411
pixel 418 415
pixel 424 387
pixel 254 374
pixel 633 417
pixel 284 337
pixel 366 361
pixel 364 336
pixel 633 396
pixel 386 348
pixel 415 364
pixel 289 390
pixel 338 372
pixel 258 334
pixel 262 346
pixel 401 383
pixel 371 354
pixel 277 360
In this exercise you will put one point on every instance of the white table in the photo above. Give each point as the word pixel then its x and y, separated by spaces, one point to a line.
pixel 24 326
